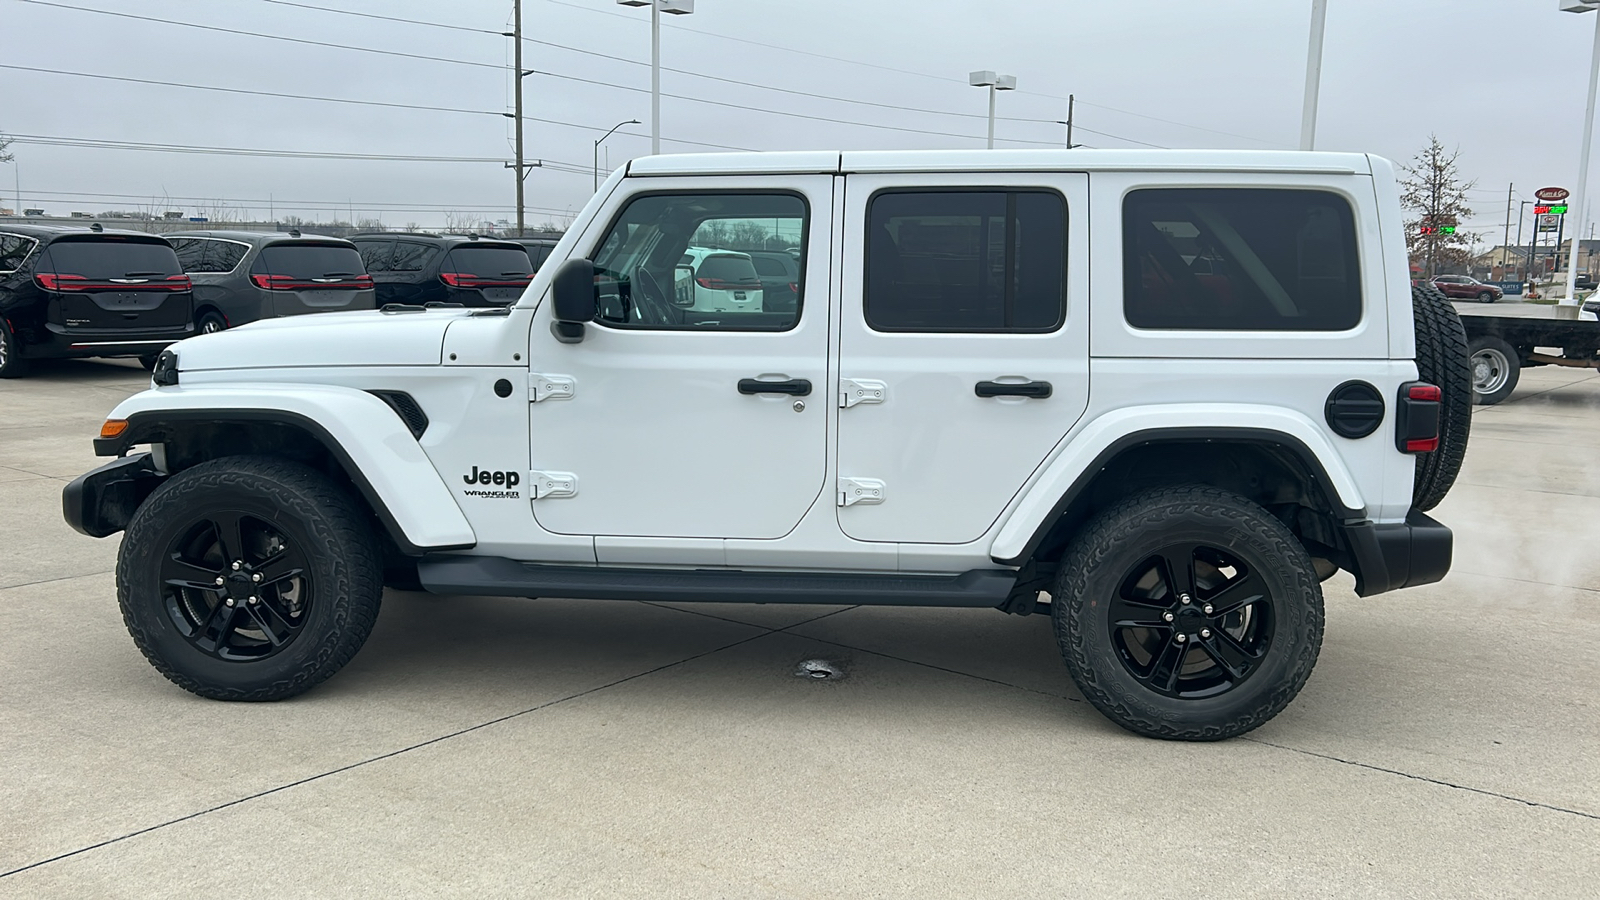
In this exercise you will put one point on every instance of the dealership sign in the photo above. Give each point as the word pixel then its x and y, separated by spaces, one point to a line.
pixel 1552 194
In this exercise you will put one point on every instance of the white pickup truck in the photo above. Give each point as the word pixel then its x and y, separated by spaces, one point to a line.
pixel 1157 395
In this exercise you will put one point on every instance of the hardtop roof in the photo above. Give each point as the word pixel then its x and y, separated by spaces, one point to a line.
pixel 834 162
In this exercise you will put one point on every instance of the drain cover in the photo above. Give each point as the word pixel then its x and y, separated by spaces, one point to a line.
pixel 819 670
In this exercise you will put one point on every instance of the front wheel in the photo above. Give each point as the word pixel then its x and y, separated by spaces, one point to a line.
pixel 249 578
pixel 1188 613
pixel 1496 366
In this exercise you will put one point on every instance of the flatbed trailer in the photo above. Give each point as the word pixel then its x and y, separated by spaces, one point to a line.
pixel 1501 346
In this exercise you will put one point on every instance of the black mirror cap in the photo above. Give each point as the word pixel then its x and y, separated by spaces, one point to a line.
pixel 165 371
pixel 573 293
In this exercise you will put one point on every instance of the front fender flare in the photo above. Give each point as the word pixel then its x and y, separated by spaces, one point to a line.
pixel 1098 442
pixel 361 432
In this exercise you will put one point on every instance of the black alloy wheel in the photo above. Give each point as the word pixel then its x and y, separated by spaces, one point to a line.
pixel 1191 620
pixel 249 578
pixel 237 587
pixel 1188 613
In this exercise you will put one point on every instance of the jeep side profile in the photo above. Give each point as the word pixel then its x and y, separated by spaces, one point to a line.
pixel 1159 396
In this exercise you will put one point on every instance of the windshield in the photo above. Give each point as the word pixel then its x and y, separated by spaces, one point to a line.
pixel 310 261
pixel 99 258
pixel 489 262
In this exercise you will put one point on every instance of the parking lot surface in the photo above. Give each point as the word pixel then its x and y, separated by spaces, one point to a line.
pixel 1447 744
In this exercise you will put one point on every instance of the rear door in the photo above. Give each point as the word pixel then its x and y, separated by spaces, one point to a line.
pixel 963 352
pixel 115 283
pixel 312 276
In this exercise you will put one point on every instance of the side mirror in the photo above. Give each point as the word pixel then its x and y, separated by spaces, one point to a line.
pixel 683 286
pixel 572 291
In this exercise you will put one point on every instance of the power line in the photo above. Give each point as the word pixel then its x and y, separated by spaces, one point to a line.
pixel 335 205
pixel 366 15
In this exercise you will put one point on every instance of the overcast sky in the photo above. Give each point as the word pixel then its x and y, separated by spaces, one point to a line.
pixel 1502 80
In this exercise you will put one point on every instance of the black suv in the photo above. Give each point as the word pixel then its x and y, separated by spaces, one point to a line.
pixel 538 249
pixel 76 292
pixel 779 271
pixel 242 276
pixel 444 268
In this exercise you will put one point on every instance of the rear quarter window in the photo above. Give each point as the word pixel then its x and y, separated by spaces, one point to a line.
pixel 1240 259
pixel 14 250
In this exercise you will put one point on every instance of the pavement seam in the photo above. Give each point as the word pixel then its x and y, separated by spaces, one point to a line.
pixel 8 587
pixel 1424 778
pixel 1570 587
pixel 417 746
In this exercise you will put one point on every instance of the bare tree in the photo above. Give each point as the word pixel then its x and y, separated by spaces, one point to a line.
pixel 456 221
pixel 1432 188
pixel 5 154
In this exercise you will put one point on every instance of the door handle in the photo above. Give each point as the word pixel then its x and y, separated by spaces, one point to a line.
pixel 798 387
pixel 1038 390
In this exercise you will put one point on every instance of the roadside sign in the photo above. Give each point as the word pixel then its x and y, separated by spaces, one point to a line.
pixel 1552 194
pixel 1549 222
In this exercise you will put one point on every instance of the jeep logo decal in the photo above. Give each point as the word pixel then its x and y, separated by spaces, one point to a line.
pixel 487 477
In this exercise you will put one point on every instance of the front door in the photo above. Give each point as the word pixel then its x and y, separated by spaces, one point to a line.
pixel 690 418
pixel 963 353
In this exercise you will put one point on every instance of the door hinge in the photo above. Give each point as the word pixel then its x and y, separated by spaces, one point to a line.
pixel 861 390
pixel 552 485
pixel 551 387
pixel 860 490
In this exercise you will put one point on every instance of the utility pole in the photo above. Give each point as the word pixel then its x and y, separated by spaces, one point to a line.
pixel 516 53
pixel 1308 113
pixel 1070 99
pixel 1507 238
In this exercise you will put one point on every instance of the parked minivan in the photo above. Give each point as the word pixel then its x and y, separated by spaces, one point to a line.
pixel 81 292
pixel 417 269
pixel 718 281
pixel 242 276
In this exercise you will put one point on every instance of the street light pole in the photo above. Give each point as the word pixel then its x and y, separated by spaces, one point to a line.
pixel 657 7
pixel 597 148
pixel 1308 112
pixel 994 83
pixel 1570 301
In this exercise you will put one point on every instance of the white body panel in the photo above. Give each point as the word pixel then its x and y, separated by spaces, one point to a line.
pixel 374 438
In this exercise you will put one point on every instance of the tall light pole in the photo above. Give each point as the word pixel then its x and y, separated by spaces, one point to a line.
pixel 987 79
pixel 608 153
pixel 657 7
pixel 1569 304
pixel 1308 112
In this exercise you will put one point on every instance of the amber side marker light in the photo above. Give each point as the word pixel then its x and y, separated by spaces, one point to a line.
pixel 113 428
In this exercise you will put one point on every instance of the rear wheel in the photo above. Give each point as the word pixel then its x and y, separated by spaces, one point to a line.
pixel 1486 296
pixel 1441 360
pixel 1188 614
pixel 249 578
pixel 210 323
pixel 1496 366
pixel 12 365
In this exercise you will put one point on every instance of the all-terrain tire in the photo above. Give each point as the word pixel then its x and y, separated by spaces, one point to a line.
pixel 1496 367
pixel 339 556
pixel 1442 359
pixel 1099 567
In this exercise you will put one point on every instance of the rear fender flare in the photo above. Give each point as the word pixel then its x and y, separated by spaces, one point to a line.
pixel 361 432
pixel 1097 443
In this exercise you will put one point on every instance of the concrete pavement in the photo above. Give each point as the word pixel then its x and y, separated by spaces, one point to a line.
pixel 1447 744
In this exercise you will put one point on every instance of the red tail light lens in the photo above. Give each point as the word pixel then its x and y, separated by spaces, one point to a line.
pixel 291 283
pixel 1425 392
pixel 177 283
pixel 52 282
pixel 794 287
pixel 718 284
pixel 468 280
pixel 1422 445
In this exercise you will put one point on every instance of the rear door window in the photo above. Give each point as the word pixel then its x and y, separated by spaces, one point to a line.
pixel 14 250
pixel 376 256
pixel 307 261
pixel 208 256
pixel 1240 259
pixel 112 256
pixel 765 265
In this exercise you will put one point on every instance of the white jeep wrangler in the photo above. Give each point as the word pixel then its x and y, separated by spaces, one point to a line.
pixel 1170 391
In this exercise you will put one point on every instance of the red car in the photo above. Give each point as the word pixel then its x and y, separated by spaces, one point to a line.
pixel 1461 287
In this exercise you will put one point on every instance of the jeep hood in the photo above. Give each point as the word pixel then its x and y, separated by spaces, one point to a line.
pixel 362 338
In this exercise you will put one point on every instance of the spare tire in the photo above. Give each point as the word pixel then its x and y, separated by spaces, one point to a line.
pixel 1442 359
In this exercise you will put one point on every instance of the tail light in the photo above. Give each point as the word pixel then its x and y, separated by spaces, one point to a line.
pixel 1417 417
pixel 468 280
pixel 794 287
pixel 717 284
pixel 291 283
pixel 53 282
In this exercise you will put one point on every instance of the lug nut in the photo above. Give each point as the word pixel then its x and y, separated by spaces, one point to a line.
pixel 1204 632
pixel 1184 599
pixel 1207 609
pixel 256 577
pixel 1182 638
pixel 237 565
pixel 1167 616
pixel 254 600
pixel 221 581
pixel 228 601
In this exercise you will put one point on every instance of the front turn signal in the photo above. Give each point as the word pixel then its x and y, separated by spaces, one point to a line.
pixel 113 428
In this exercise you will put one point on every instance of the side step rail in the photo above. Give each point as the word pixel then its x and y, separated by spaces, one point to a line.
pixel 500 577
